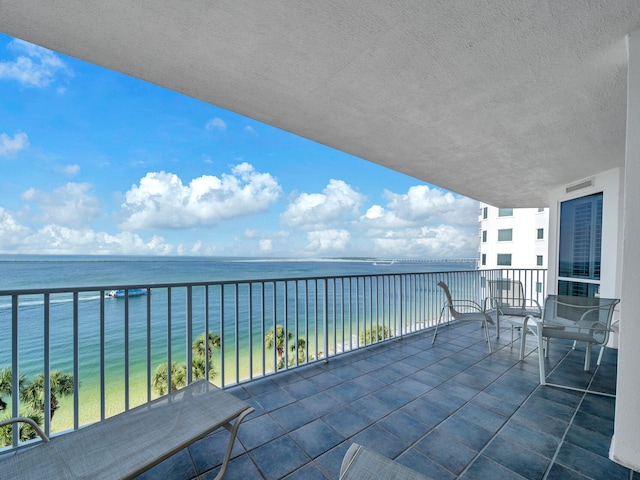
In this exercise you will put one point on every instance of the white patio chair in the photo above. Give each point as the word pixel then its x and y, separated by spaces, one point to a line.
pixel 580 319
pixel 507 302
pixel 463 311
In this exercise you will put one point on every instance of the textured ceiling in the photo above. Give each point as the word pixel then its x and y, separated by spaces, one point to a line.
pixel 497 100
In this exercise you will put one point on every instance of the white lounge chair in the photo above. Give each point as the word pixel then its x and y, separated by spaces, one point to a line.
pixel 360 463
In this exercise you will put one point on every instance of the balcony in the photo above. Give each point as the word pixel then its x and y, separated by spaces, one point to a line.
pixel 451 410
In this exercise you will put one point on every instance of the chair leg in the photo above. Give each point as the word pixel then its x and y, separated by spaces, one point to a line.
pixel 587 358
pixel 486 334
pixel 523 336
pixel 435 332
pixel 541 357
pixel 602 349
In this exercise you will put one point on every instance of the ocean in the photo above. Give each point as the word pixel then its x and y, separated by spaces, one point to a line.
pixel 36 272
pixel 42 271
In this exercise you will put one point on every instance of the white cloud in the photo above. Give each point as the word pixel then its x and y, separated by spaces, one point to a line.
pixel 424 204
pixel 424 222
pixel 327 240
pixel 34 66
pixel 443 241
pixel 251 130
pixel 378 217
pixel 12 234
pixel 71 205
pixel 9 146
pixel 161 200
pixel 216 124
pixel 69 170
pixel 337 202
pixel 265 245
pixel 56 239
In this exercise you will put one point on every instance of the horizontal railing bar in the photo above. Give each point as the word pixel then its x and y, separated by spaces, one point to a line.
pixel 107 288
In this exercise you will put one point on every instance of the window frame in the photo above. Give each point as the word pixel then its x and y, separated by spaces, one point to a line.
pixel 580 245
pixel 504 256
pixel 504 231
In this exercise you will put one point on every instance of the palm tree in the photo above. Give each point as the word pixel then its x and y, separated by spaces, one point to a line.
pixel 159 382
pixel 374 334
pixel 198 344
pixel 198 369
pixel 32 393
pixel 278 341
pixel 6 378
pixel 26 431
pixel 302 354
pixel 179 371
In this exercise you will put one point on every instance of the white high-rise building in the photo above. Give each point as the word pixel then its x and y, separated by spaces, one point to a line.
pixel 513 237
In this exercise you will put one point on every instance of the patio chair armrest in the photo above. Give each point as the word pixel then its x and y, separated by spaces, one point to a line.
pixel 467 304
pixel 534 303
pixel 28 421
pixel 590 311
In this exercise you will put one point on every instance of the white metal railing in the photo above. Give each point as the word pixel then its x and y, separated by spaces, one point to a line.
pixel 114 348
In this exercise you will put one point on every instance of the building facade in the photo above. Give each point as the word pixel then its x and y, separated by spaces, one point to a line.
pixel 513 237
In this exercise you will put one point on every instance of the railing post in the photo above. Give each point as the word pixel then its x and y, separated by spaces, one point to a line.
pixel 148 338
pixel 15 369
pixel 169 376
pixel 222 336
pixel 76 366
pixel 189 335
pixel 326 320
pixel 47 365
pixel 103 380
pixel 401 308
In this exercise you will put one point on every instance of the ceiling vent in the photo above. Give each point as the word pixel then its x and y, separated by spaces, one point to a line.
pixel 580 186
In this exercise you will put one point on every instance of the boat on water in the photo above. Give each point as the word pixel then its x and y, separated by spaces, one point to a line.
pixel 133 292
pixel 384 263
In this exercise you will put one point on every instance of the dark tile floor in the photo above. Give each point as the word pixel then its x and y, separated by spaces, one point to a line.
pixel 449 411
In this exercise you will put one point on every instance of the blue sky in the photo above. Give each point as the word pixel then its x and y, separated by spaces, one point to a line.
pixel 96 162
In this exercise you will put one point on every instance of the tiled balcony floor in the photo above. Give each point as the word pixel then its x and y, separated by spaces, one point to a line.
pixel 448 411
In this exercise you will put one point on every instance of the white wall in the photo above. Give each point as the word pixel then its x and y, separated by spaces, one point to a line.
pixel 524 246
pixel 625 445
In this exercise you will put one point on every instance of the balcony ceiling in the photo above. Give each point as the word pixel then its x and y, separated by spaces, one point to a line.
pixel 496 100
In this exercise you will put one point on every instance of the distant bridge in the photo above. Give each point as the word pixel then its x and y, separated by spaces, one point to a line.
pixel 429 260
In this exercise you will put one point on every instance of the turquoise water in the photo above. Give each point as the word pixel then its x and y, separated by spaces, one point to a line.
pixel 19 272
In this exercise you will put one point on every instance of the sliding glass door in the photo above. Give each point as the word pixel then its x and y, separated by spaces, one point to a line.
pixel 580 246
